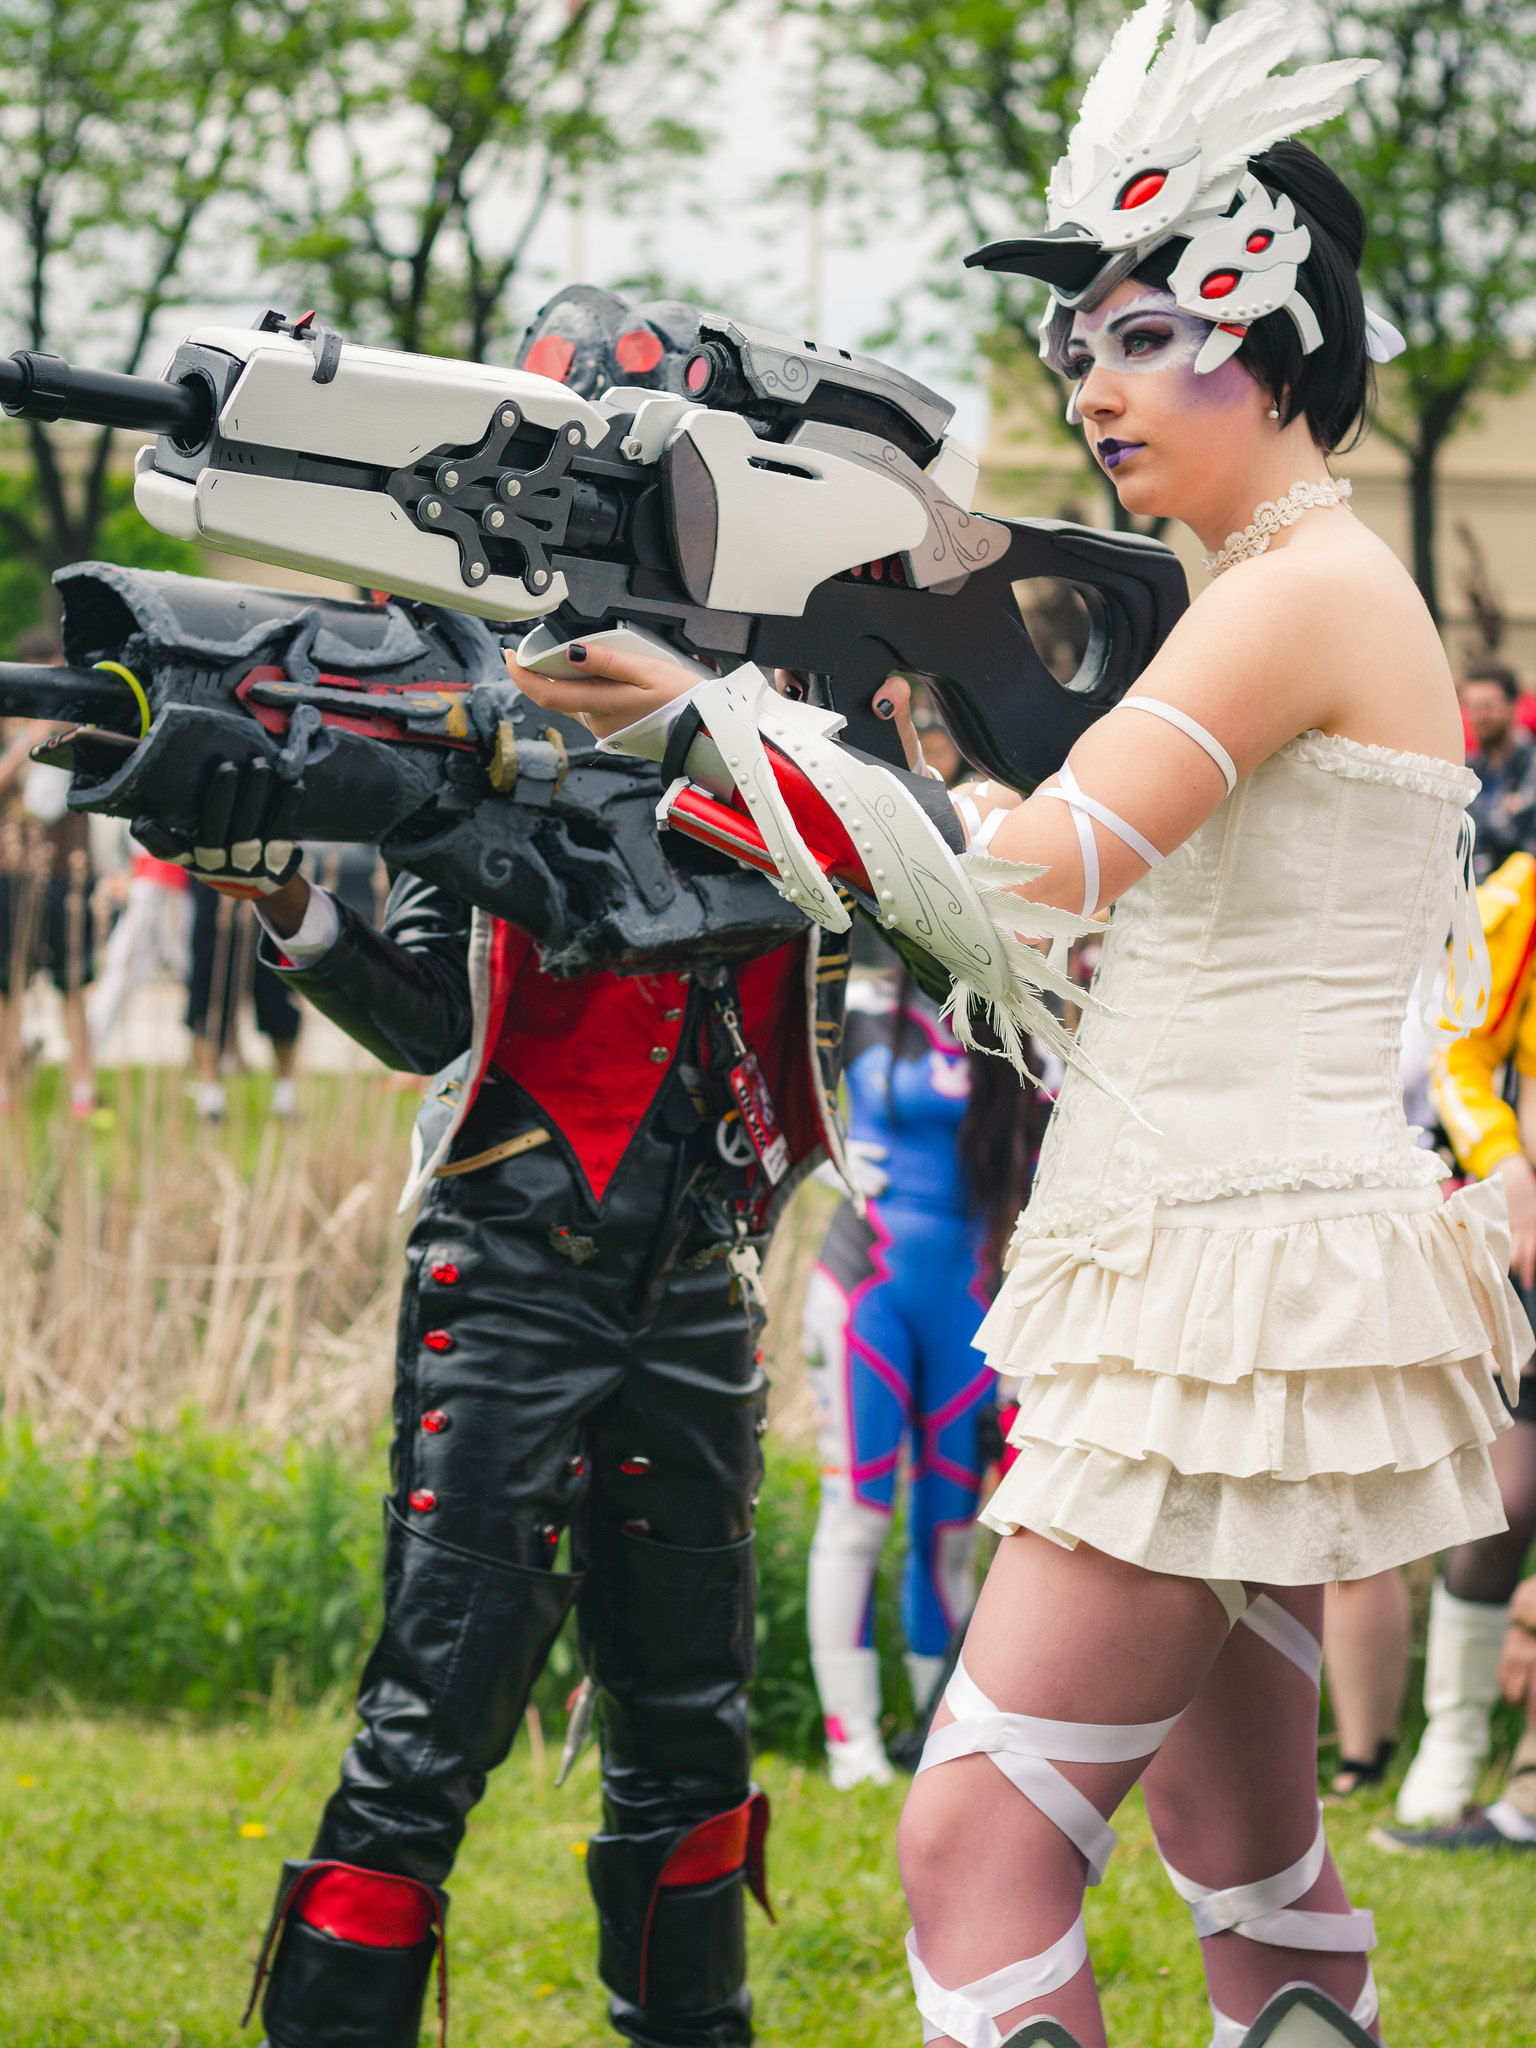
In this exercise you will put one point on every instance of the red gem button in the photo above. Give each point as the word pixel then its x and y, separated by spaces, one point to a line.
pixel 434 1422
pixel 438 1340
pixel 423 1502
pixel 635 1467
pixel 446 1276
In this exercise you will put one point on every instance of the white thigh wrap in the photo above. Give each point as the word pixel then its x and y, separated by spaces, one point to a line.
pixel 1022 1746
pixel 1277 1626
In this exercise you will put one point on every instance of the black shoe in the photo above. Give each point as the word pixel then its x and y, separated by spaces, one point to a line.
pixel 1301 2016
pixel 1355 1773
pixel 1474 1830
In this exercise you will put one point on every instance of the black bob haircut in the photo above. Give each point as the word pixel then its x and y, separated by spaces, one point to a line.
pixel 1332 387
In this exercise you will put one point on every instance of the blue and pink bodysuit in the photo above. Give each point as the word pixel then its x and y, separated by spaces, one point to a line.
pixel 890 1312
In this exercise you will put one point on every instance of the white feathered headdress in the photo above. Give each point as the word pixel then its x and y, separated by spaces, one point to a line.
pixel 1160 152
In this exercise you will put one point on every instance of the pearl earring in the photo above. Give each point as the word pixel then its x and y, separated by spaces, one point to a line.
pixel 1274 412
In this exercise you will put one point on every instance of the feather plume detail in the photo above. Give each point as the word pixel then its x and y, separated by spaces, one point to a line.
pixel 1021 1013
pixel 1219 92
pixel 1122 74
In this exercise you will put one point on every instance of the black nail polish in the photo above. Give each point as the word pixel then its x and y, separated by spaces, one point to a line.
pixel 575 652
pixel 884 708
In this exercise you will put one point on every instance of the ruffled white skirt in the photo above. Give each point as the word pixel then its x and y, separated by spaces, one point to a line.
pixel 1287 1388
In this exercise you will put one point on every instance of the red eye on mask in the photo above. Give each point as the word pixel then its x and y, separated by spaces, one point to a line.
pixel 1140 190
pixel 1219 284
pixel 1256 244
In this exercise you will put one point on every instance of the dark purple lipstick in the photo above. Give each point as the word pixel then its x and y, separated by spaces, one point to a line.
pixel 1112 453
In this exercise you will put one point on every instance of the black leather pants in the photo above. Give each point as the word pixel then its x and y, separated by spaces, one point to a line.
pixel 564 1368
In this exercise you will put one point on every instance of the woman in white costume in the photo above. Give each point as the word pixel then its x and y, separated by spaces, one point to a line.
pixel 1259 1351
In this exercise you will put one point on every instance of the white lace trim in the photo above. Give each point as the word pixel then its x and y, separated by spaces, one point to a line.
pixel 1357 761
pixel 1414 1169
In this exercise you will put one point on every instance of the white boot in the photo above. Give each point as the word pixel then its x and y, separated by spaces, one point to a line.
pixel 1460 1688
pixel 849 1684
pixel 923 1674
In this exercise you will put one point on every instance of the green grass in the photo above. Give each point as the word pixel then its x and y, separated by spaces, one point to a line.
pixel 130 1904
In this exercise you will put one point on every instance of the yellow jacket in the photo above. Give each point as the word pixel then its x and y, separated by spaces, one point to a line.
pixel 1478 1121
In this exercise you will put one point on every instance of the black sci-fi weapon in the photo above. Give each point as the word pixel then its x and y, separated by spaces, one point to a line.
pixel 734 494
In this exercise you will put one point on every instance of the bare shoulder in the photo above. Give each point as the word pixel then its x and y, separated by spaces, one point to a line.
pixel 1328 631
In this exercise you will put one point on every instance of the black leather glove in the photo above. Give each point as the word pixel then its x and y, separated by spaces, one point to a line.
pixel 244 844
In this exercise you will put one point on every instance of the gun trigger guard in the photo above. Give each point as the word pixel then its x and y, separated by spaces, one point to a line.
pixel 303 727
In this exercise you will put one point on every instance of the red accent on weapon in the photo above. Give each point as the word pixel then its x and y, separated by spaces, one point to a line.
pixel 551 356
pixel 637 351
pixel 696 376
pixel 377 727
pixel 1141 188
pixel 1219 284
pixel 732 831
pixel 374 1911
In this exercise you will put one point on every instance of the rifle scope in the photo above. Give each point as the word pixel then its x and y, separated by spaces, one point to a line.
pixel 35 386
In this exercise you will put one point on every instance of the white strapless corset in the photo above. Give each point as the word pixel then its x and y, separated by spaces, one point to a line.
pixel 1257 983
pixel 1254 1343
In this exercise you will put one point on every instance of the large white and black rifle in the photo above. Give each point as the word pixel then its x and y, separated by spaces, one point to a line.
pixel 746 497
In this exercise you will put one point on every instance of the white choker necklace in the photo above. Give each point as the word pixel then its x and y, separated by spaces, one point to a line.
pixel 1274 514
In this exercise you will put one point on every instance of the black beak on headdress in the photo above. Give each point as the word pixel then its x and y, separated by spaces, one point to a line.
pixel 1066 257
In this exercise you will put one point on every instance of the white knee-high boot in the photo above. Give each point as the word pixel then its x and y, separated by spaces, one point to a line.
pixel 1460 1688
pixel 848 1682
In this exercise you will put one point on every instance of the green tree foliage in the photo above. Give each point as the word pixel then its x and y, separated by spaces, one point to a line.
pixel 134 135
pixel 429 151
pixel 981 95
pixel 1441 152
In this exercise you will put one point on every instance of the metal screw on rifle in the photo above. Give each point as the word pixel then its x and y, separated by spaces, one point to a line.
pixel 510 487
pixel 450 479
pixel 432 509
pixel 631 448
pixel 495 519
pixel 507 417
pixel 477 570
pixel 539 578
pixel 574 436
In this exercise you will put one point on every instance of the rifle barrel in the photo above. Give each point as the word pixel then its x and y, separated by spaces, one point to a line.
pixel 35 386
pixel 69 696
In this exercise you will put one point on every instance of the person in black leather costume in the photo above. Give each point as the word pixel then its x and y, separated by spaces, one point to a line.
pixel 565 1363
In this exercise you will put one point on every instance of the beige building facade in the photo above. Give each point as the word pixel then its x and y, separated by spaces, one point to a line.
pixel 1487 493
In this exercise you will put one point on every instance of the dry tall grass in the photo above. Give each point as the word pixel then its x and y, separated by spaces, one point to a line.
pixel 249 1270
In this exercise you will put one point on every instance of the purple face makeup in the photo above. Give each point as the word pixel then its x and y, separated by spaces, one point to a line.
pixel 1138 335
pixel 1133 337
pixel 1112 453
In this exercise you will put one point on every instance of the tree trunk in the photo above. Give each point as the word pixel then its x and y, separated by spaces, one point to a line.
pixel 1423 499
